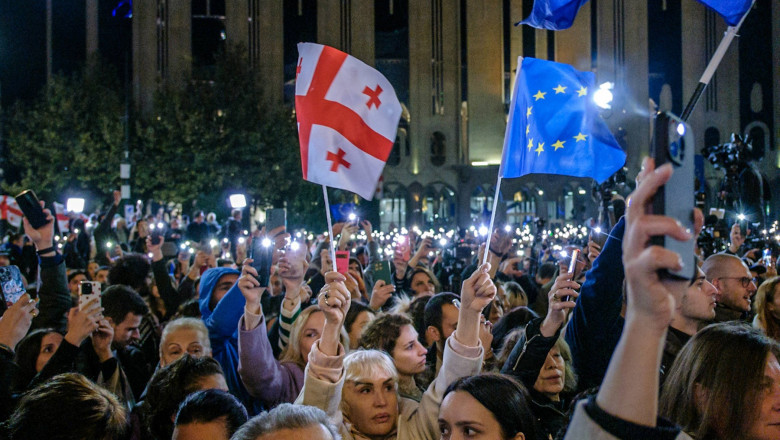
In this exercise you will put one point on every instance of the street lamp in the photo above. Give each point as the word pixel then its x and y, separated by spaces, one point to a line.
pixel 237 201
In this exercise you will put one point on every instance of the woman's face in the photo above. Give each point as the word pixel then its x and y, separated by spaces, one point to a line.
pixel 767 426
pixel 363 318
pixel 552 375
pixel 774 306
pixel 371 404
pixel 310 333
pixel 422 285
pixel 461 416
pixel 49 344
pixel 496 312
pixel 91 269
pixel 142 228
pixel 180 341
pixel 408 354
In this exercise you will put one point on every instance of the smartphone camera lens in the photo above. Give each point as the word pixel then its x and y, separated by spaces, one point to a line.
pixel 86 288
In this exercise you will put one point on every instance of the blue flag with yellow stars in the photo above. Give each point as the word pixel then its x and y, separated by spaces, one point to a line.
pixel 555 15
pixel 731 10
pixel 554 125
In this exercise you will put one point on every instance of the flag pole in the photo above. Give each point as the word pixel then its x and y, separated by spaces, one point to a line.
pixel 330 229
pixel 717 57
pixel 492 218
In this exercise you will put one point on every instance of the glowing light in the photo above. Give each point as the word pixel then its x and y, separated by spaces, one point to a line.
pixel 352 216
pixel 237 201
pixel 295 246
pixel 75 204
pixel 741 217
pixel 266 242
pixel 508 228
pixel 603 96
pixel 213 242
pixel 483 230
pixel 597 229
pixel 160 225
pixel 241 240
pixel 443 242
pixel 109 245
pixel 681 129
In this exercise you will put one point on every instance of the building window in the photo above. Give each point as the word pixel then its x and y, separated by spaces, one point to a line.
pixel 521 210
pixel 438 148
pixel 480 205
pixel 438 206
pixel 208 31
pixel 392 207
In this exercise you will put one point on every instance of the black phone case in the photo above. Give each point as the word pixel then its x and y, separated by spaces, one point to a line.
pixel 261 261
pixel 28 203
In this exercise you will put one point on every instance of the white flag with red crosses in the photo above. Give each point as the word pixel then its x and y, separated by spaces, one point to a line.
pixel 347 119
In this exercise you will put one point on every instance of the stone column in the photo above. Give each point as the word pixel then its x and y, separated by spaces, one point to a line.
pixel 572 46
pixel 515 36
pixel 179 42
pixel 694 61
pixel 144 53
pixel 92 27
pixel 271 60
pixel 485 63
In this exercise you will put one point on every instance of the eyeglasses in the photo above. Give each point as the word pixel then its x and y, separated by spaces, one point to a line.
pixel 745 281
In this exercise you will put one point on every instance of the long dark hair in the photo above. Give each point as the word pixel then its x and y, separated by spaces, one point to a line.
pixel 505 398
pixel 27 351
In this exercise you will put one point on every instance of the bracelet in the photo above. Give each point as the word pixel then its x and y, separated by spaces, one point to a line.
pixel 6 348
pixel 47 250
pixel 499 255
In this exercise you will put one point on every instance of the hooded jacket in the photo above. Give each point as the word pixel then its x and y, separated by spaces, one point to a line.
pixel 222 323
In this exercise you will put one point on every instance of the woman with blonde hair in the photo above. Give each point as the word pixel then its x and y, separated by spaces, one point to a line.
pixel 767 306
pixel 359 391
pixel 184 336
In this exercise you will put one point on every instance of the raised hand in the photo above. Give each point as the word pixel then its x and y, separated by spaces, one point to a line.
pixel 380 294
pixel 563 287
pixel 477 292
pixel 334 300
pixel 250 287
pixel 16 321
pixel 81 323
pixel 155 249
pixel 101 340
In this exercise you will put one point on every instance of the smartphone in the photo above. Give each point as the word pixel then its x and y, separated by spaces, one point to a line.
pixel 87 291
pixel 403 246
pixel 767 258
pixel 382 272
pixel 342 262
pixel 673 143
pixel 262 250
pixel 12 284
pixel 274 218
pixel 575 255
pixel 31 208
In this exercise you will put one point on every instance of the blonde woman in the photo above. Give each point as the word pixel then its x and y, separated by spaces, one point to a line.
pixel 184 335
pixel 359 391
pixel 767 304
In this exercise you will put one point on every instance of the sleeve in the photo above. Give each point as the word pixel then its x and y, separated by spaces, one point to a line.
pixel 592 423
pixel 323 382
pixel 266 378
pixel 373 252
pixel 8 375
pixel 170 296
pixel 595 325
pixel 528 355
pixel 103 227
pixel 55 300
pixel 223 322
pixel 286 320
pixel 458 361
pixel 186 289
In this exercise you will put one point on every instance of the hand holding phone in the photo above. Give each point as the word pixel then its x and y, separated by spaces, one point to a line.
pixel 262 256
pixel 31 208
pixel 575 255
pixel 89 291
pixel 12 284
pixel 342 262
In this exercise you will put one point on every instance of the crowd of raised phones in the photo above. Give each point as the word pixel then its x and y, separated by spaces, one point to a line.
pixel 176 338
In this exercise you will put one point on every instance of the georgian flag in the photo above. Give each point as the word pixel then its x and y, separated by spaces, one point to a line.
pixel 10 211
pixel 347 119
pixel 63 221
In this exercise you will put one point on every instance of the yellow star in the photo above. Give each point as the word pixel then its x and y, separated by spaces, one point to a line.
pixel 539 95
pixel 540 148
pixel 527 128
pixel 528 112
pixel 559 89
pixel 530 144
pixel 582 91
pixel 580 137
pixel 558 144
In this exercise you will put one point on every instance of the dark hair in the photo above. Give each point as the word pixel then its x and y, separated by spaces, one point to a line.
pixel 355 309
pixel 417 313
pixel 726 360
pixel 119 300
pixel 27 351
pixel 515 318
pixel 188 309
pixel 505 398
pixel 130 270
pixel 546 270
pixel 169 387
pixel 433 310
pixel 285 416
pixel 69 407
pixel 74 273
pixel 383 332
pixel 208 405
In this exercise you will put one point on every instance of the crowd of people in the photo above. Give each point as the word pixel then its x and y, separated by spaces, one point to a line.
pixel 415 339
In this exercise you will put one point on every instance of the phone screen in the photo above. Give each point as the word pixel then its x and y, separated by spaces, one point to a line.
pixel 261 255
pixel 575 255
pixel 342 262
pixel 12 284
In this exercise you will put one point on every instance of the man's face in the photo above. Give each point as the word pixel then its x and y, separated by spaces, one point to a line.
pixel 449 320
pixel 4 260
pixel 698 301
pixel 733 290
pixel 102 276
pixel 126 332
pixel 199 218
pixel 73 284
pixel 223 285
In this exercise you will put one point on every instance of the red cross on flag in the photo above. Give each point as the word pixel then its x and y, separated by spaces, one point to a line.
pixel 347 119
pixel 10 211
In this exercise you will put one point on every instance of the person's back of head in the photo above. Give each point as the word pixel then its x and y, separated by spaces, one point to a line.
pixel 515 318
pixel 546 272
pixel 718 265
pixel 213 414
pixel 131 270
pixel 118 300
pixel 68 407
pixel 289 422
pixel 168 388
pixel 718 380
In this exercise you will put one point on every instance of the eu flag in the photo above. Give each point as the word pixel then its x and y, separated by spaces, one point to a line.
pixel 554 125
pixel 731 10
pixel 554 15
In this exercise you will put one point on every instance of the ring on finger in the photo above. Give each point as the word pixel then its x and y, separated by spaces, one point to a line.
pixel 326 301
